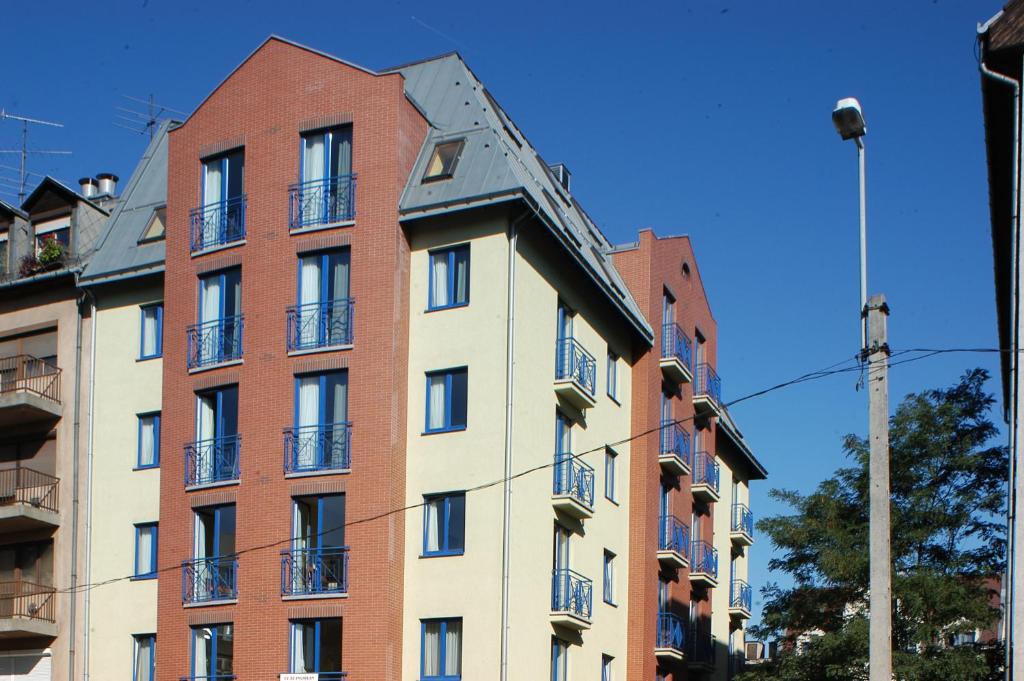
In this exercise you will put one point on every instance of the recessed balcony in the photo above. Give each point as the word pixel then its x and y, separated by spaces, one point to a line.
pixel 314 573
pixel 323 448
pixel 573 489
pixel 741 529
pixel 575 374
pixel 707 391
pixel 27 610
pixel 674 452
pixel 320 326
pixel 214 461
pixel 703 564
pixel 704 483
pixel 740 599
pixel 701 650
pixel 322 203
pixel 671 640
pixel 215 342
pixel 29 391
pixel 676 354
pixel 571 599
pixel 217 224
pixel 29 500
pixel 209 580
pixel 673 542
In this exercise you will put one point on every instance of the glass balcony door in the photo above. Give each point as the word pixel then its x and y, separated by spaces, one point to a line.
pixel 316 648
pixel 216 448
pixel 326 182
pixel 318 555
pixel 323 317
pixel 214 550
pixel 219 332
pixel 321 422
pixel 213 652
pixel 223 182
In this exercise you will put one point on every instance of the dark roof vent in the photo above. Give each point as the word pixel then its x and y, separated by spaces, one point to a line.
pixel 561 174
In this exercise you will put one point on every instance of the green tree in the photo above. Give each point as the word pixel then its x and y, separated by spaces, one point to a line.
pixel 948 500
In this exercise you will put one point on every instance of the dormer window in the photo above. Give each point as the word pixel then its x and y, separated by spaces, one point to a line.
pixel 58 229
pixel 155 228
pixel 443 160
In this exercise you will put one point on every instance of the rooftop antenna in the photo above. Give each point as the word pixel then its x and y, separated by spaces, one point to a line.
pixel 25 151
pixel 141 122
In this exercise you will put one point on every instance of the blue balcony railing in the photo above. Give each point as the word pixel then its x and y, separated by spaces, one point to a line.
pixel 671 633
pixel 574 363
pixel 323 447
pixel 314 571
pixel 322 202
pixel 703 558
pixel 215 342
pixel 212 461
pixel 705 470
pixel 742 519
pixel 675 441
pixel 674 535
pixel 571 592
pixel 575 479
pixel 675 343
pixel 218 224
pixel 209 579
pixel 708 383
pixel 740 595
pixel 320 325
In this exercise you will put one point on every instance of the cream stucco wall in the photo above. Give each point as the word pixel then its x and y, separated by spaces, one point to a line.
pixel 469 586
pixel 722 625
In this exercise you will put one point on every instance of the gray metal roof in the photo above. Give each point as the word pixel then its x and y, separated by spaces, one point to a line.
pixel 120 255
pixel 13 210
pixel 499 164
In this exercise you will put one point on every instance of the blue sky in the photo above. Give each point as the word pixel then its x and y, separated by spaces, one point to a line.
pixel 708 117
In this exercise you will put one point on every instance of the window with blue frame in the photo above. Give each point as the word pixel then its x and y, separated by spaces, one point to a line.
pixel 316 647
pixel 149 441
pixel 320 439
pixel 145 550
pixel 322 317
pixel 213 652
pixel 449 277
pixel 151 331
pixel 610 472
pixel 447 399
pixel 144 661
pixel 444 524
pixel 213 457
pixel 317 562
pixel 218 335
pixel 559 659
pixel 221 219
pixel 613 375
pixel 609 577
pixel 441 649
pixel 326 190
pixel 606 668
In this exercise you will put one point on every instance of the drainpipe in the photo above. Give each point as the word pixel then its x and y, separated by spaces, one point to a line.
pixel 88 494
pixel 76 431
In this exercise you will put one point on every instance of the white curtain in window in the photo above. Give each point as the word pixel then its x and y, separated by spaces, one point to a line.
pixel 435 508
pixel 461 279
pixel 145 549
pixel 453 649
pixel 439 264
pixel 309 293
pixel 313 158
pixel 148 444
pixel 298 649
pixel 206 429
pixel 143 659
pixel 201 666
pixel 209 310
pixel 432 649
pixel 213 191
pixel 437 385
pixel 309 415
pixel 149 331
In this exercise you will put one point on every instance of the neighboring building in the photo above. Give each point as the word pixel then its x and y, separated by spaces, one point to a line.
pixel 412 344
pixel 1002 56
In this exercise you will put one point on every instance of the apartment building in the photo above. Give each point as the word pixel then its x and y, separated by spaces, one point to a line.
pixel 420 419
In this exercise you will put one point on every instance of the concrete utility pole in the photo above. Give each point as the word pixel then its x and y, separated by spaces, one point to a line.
pixel 877 352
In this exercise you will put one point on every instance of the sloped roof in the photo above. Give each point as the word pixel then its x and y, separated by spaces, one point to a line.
pixel 13 210
pixel 120 255
pixel 51 184
pixel 499 164
pixel 1006 30
pixel 728 427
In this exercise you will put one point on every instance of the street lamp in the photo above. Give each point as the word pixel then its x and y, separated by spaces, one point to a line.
pixel 849 121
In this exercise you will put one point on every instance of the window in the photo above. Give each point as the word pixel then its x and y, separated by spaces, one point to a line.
pixel 218 335
pixel 610 473
pixel 444 525
pixel 58 229
pixel 145 550
pixel 149 441
pixel 606 668
pixel 449 278
pixel 316 647
pixel 441 656
pixel 609 577
pixel 3 253
pixel 155 228
pixel 443 161
pixel 318 560
pixel 613 375
pixel 559 659
pixel 319 441
pixel 447 396
pixel 213 457
pixel 322 316
pixel 326 188
pixel 213 652
pixel 221 219
pixel 144 665
pixel 212 574
pixel 151 343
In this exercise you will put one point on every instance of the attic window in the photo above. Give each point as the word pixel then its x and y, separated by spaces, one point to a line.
pixel 443 160
pixel 155 228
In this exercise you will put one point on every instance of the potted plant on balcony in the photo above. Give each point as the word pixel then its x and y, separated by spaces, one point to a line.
pixel 51 252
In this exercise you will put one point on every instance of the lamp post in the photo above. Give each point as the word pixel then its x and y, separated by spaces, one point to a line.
pixel 849 121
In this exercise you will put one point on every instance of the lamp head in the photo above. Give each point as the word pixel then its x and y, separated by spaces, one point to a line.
pixel 849 119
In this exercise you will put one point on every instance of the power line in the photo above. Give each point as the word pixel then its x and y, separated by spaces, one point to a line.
pixel 24 151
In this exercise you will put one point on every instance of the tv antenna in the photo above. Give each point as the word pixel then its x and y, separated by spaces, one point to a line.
pixel 25 151
pixel 141 122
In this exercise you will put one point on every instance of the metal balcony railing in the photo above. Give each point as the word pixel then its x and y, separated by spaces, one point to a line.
pixel 27 600
pixel 320 325
pixel 574 478
pixel 322 202
pixel 740 595
pixel 705 470
pixel 708 383
pixel 675 440
pixel 675 343
pixel 26 486
pixel 29 374
pixel 217 224
pixel 574 363
pixel 323 447
pixel 209 579
pixel 571 592
pixel 674 535
pixel 742 519
pixel 314 571
pixel 211 461
pixel 215 342
pixel 703 558
pixel 671 633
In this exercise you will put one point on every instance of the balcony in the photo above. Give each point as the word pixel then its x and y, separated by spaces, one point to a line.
pixel 575 374
pixel 320 326
pixel 215 342
pixel 674 454
pixel 703 564
pixel 571 599
pixel 213 461
pixel 707 392
pixel 701 649
pixel 741 529
pixel 217 224
pixel 676 350
pixel 673 542
pixel 326 202
pixel 26 610
pixel 209 580
pixel 671 639
pixel 573 490
pixel 740 598
pixel 29 391
pixel 314 572
pixel 324 448
pixel 28 500
pixel 704 484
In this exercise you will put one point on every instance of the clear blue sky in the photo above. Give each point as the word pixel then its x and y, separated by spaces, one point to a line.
pixel 706 117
